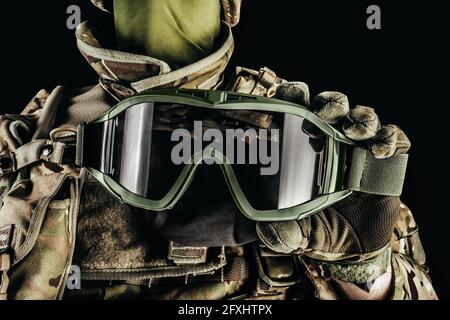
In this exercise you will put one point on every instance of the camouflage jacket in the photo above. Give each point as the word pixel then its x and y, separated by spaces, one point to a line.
pixel 54 216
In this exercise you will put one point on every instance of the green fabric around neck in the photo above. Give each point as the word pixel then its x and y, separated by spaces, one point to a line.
pixel 178 32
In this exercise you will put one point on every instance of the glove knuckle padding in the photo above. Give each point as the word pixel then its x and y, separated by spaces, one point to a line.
pixel 389 140
pixel 358 224
pixel 297 92
pixel 281 236
pixel 330 106
pixel 361 123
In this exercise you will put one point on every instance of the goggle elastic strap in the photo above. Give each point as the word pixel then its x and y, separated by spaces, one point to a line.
pixel 376 176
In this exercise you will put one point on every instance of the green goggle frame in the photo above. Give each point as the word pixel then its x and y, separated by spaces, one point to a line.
pixel 340 176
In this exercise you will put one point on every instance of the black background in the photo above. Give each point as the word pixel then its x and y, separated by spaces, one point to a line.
pixel 398 70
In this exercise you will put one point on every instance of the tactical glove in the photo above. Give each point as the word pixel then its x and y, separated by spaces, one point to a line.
pixel 357 230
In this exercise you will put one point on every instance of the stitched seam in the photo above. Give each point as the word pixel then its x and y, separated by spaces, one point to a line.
pixel 117 56
pixel 278 237
pixel 21 252
pixel 353 231
pixel 322 219
pixel 363 171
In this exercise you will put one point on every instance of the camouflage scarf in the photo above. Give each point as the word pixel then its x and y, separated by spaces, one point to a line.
pixel 178 32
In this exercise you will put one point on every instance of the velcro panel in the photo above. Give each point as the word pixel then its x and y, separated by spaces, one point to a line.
pixel 376 176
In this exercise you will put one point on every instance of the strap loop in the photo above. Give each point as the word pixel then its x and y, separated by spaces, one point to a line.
pixel 30 153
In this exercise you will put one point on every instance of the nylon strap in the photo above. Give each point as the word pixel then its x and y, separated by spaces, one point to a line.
pixel 5 263
pixel 30 153
pixel 236 269
pixel 6 234
pixel 376 176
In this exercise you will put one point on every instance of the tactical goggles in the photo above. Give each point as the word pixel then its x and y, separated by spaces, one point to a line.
pixel 280 160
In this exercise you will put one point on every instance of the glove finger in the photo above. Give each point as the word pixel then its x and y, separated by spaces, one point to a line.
pixel 389 140
pixel 297 92
pixel 361 123
pixel 331 106
pixel 281 236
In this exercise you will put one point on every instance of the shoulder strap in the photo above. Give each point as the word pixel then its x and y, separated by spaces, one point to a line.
pixel 29 153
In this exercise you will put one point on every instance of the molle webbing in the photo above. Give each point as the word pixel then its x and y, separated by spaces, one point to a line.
pixel 376 176
pixel 236 269
pixel 6 234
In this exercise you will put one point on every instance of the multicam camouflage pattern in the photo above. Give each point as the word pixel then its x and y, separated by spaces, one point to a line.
pixel 361 271
pixel 261 83
pixel 47 196
pixel 53 240
pixel 231 9
pixel 411 281
pixel 105 5
pixel 405 239
pixel 45 253
pixel 41 204
pixel 57 224
pixel 123 74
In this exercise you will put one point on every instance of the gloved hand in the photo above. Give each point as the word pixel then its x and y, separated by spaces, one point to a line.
pixel 361 225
